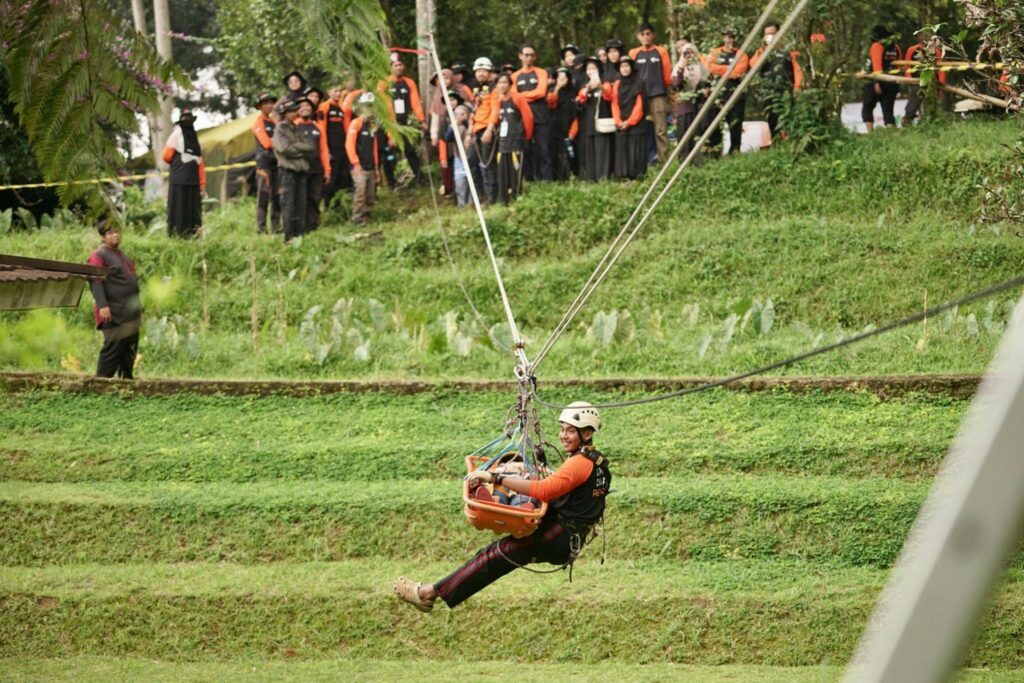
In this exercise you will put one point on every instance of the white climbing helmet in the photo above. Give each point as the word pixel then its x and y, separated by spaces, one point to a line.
pixel 483 63
pixel 581 414
pixel 365 98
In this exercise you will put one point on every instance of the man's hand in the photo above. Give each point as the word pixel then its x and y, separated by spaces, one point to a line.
pixel 105 316
pixel 878 88
pixel 482 476
pixel 327 177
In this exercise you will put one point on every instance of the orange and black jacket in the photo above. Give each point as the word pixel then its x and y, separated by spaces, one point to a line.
pixel 405 99
pixel 320 156
pixel 914 54
pixel 486 108
pixel 184 173
pixel 788 68
pixel 263 129
pixel 331 119
pixel 584 480
pixel 654 68
pixel 611 92
pixel 532 85
pixel 881 57
pixel 347 105
pixel 515 118
pixel 361 145
pixel 720 58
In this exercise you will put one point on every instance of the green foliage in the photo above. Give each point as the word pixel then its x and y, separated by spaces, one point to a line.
pixel 78 75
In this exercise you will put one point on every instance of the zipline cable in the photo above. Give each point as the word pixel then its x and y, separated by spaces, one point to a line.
pixel 455 271
pixel 708 105
pixel 903 322
pixel 517 339
pixel 726 108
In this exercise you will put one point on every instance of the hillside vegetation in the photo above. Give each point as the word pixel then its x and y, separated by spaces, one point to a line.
pixel 748 259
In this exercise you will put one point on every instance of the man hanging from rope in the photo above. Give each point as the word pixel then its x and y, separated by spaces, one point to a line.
pixel 576 492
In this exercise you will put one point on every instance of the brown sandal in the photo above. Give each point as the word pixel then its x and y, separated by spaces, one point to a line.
pixel 410 592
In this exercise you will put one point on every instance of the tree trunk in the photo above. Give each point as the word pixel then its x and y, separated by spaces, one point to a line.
pixel 139 17
pixel 425 20
pixel 162 29
pixel 672 29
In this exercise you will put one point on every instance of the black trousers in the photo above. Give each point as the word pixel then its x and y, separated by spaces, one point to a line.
pixel 117 357
pixel 551 543
pixel 538 164
pixel 734 119
pixel 774 104
pixel 314 193
pixel 486 168
pixel 887 99
pixel 293 202
pixel 268 195
pixel 510 175
pixel 341 175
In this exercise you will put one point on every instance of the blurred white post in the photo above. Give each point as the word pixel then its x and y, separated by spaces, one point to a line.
pixel 162 37
pixel 962 539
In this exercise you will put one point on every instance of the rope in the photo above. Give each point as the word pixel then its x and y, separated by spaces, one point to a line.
pixel 690 132
pixel 517 339
pixel 585 296
pixel 455 271
pixel 903 322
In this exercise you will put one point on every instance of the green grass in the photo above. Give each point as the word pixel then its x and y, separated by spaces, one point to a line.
pixel 859 235
pixel 55 437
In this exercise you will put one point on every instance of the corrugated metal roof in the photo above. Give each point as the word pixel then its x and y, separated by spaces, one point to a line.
pixel 15 274
pixel 24 269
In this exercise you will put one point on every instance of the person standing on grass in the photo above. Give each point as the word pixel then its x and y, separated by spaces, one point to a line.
pixel 531 83
pixel 319 173
pixel 513 119
pixel 654 68
pixel 580 484
pixel 595 146
pixel 187 181
pixel 459 171
pixel 118 308
pixel 629 104
pixel 267 182
pixel 881 55
pixel 484 148
pixel 687 75
pixel 718 63
pixel 331 119
pixel 362 149
pixel 292 150
pixel 405 102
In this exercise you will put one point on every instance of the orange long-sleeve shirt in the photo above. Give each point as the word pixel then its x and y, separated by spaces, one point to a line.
pixel 414 96
pixel 571 474
pixel 877 54
pixel 347 104
pixel 168 157
pixel 260 131
pixel 538 93
pixel 742 64
pixel 350 144
pixel 486 111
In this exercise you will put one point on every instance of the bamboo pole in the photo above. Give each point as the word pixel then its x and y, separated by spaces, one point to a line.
pixel 960 92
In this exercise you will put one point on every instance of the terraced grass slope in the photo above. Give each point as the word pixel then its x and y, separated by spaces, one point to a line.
pixel 194 537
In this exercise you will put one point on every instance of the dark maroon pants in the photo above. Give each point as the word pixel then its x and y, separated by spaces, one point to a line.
pixel 551 543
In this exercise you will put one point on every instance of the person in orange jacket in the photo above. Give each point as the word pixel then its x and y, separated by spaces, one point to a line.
pixel 531 83
pixel 319 172
pixel 331 119
pixel 654 68
pixel 718 63
pixel 361 146
pixel 268 185
pixel 778 76
pixel 881 55
pixel 405 102
pixel 187 181
pixel 915 53
pixel 484 148
pixel 513 119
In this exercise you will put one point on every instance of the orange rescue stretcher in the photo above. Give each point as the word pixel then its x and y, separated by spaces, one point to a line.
pixel 492 515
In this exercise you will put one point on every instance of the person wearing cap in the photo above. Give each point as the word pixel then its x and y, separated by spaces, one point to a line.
pixel 293 150
pixel 719 61
pixel 514 122
pixel 614 49
pixel 564 126
pixel 531 83
pixel 267 184
pixel 572 61
pixel 654 68
pixel 331 119
pixel 595 146
pixel 362 149
pixel 319 172
pixel 187 180
pixel 405 101
pixel 461 75
pixel 779 76
pixel 629 105
pixel 484 148
pixel 581 483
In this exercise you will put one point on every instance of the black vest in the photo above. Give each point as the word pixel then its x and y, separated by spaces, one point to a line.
pixel 648 68
pixel 312 131
pixel 335 125
pixel 584 505
pixel 400 93
pixel 365 142
pixel 510 121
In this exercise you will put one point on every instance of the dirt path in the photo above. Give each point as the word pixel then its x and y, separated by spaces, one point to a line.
pixel 958 386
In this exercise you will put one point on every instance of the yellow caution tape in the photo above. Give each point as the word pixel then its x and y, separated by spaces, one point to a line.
pixel 137 176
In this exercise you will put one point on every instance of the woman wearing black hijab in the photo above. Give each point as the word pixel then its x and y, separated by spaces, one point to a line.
pixel 629 106
pixel 295 85
pixel 564 128
pixel 615 50
pixel 187 179
pixel 595 146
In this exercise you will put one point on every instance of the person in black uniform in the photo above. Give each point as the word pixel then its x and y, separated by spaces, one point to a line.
pixel 531 83
pixel 513 119
pixel 576 493
pixel 118 308
pixel 331 118
pixel 883 52
pixel 268 186
pixel 319 172
pixel 595 145
pixel 187 178
pixel 292 150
